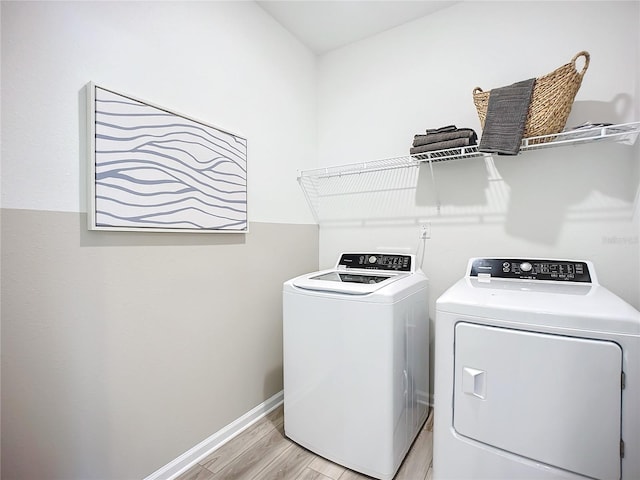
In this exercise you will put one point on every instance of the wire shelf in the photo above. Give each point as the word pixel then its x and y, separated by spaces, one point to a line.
pixel 312 181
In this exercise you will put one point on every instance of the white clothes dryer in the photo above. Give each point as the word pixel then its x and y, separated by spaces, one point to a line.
pixel 356 360
pixel 537 375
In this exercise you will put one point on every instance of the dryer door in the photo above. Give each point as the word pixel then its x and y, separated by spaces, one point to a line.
pixel 549 398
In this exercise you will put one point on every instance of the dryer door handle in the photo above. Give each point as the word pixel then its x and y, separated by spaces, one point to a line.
pixel 474 382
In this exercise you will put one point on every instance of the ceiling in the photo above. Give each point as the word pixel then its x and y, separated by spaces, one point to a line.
pixel 325 25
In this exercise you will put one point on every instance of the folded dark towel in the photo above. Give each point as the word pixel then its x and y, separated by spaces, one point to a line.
pixel 469 133
pixel 447 128
pixel 506 117
pixel 430 147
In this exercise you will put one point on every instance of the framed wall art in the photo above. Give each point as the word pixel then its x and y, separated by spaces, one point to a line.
pixel 155 170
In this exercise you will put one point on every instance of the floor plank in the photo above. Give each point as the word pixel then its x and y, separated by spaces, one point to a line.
pixel 429 424
pixel 243 442
pixel 310 474
pixel 416 463
pixel 262 452
pixel 351 475
pixel 197 472
pixel 254 459
pixel 327 468
pixel 430 473
pixel 290 464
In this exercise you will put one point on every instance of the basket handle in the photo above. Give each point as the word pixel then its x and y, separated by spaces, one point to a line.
pixel 477 90
pixel 586 61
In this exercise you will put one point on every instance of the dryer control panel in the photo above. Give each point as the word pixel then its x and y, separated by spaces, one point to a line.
pixel 377 261
pixel 529 269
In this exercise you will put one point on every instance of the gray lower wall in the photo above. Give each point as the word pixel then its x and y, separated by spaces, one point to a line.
pixel 120 351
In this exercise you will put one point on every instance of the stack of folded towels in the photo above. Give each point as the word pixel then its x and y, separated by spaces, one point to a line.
pixel 443 138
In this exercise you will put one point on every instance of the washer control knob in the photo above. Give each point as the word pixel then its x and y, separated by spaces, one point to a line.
pixel 525 267
pixel 372 259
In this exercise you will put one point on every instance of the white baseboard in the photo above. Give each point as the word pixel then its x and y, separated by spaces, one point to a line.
pixel 192 456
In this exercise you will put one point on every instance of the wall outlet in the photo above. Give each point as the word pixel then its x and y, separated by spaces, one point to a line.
pixel 425 230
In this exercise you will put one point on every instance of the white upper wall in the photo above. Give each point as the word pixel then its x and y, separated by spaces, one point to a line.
pixel 228 64
pixel 571 202
pixel 376 93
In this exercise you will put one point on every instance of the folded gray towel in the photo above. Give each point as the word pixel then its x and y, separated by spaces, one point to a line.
pixel 430 147
pixel 419 140
pixel 446 128
pixel 506 117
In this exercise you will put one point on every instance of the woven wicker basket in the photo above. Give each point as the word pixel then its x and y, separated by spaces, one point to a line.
pixel 551 100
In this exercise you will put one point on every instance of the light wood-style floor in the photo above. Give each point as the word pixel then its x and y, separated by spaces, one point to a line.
pixel 262 452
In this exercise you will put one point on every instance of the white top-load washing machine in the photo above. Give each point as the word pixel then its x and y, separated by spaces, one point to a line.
pixel 537 375
pixel 356 353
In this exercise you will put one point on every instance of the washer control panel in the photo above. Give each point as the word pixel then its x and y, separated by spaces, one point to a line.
pixel 377 261
pixel 527 269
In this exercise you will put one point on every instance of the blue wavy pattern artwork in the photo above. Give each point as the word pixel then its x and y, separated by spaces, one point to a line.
pixel 155 169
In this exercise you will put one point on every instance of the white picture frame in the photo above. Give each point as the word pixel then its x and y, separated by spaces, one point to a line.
pixel 154 170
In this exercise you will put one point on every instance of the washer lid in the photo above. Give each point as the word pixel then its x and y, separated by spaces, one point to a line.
pixel 352 282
